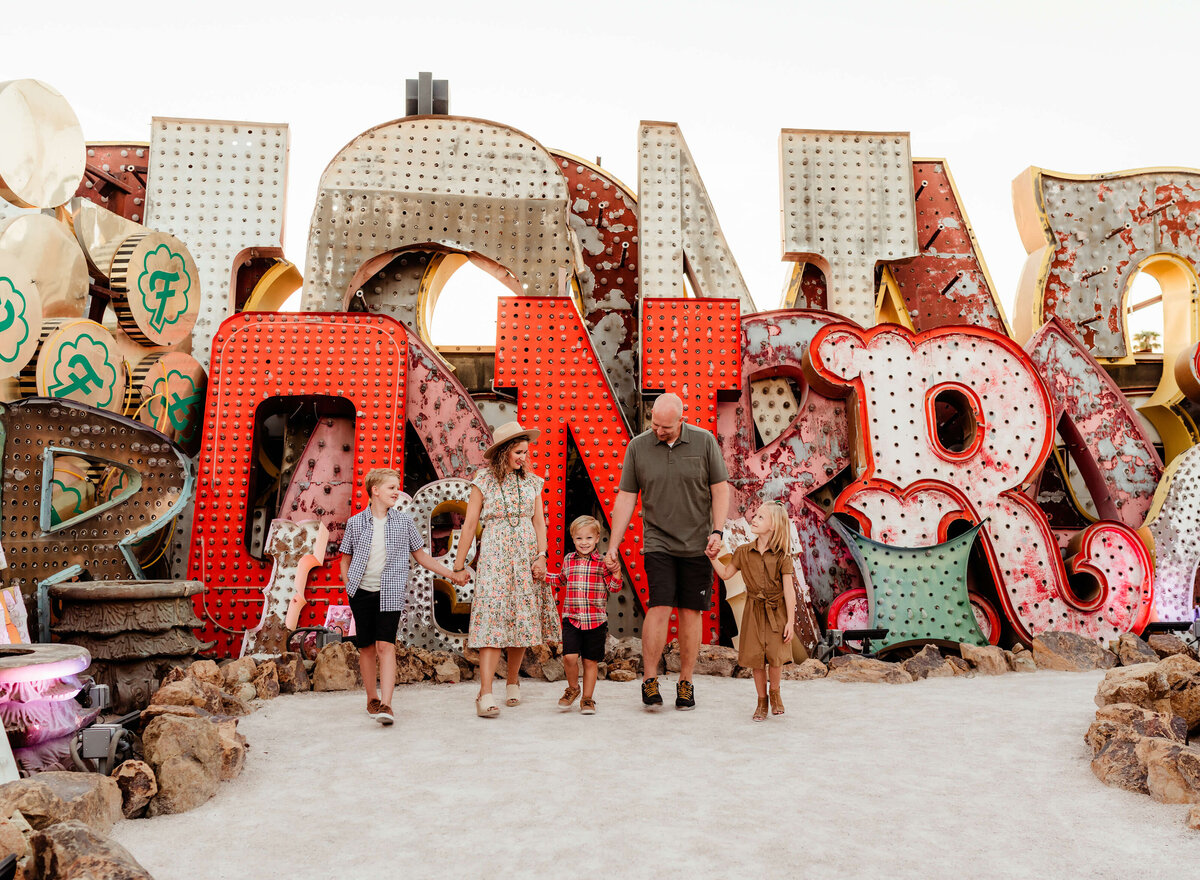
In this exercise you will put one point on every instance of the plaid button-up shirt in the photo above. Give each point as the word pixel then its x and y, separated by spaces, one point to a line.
pixel 585 584
pixel 402 539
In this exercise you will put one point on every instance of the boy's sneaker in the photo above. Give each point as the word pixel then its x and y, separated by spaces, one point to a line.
pixel 587 707
pixel 685 696
pixel 650 694
pixel 568 697
pixel 384 716
pixel 373 707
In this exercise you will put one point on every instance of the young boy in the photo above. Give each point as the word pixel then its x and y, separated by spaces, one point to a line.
pixel 585 610
pixel 375 565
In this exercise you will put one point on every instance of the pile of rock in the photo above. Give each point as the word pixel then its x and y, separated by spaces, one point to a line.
pixel 1147 710
pixel 57 824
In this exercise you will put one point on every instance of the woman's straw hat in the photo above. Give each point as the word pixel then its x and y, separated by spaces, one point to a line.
pixel 509 431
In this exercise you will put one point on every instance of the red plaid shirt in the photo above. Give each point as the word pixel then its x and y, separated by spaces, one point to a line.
pixel 587 585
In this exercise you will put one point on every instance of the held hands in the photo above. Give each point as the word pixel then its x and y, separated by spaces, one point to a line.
pixel 459 578
pixel 539 568
pixel 611 564
pixel 713 549
pixel 610 558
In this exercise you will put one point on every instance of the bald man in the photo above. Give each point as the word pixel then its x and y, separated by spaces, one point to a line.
pixel 684 485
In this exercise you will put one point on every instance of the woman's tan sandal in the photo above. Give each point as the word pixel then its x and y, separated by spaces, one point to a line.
pixel 776 702
pixel 512 695
pixel 760 711
pixel 486 707
pixel 568 697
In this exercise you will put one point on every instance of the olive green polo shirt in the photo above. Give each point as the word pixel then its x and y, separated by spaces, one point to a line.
pixel 675 485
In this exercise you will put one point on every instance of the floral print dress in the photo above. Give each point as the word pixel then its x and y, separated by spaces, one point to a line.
pixel 510 609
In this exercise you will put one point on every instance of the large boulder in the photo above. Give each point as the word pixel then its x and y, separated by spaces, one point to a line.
pixel 805 671
pixel 185 754
pixel 1131 650
pixel 136 781
pixel 73 851
pixel 189 691
pixel 1117 763
pixel 60 795
pixel 293 677
pixel 853 668
pixel 337 668
pixel 1145 722
pixel 1172 770
pixel 411 666
pixel 1142 685
pixel 238 672
pixel 1070 652
pixel 928 663
pixel 987 660
pixel 1169 644
pixel 716 660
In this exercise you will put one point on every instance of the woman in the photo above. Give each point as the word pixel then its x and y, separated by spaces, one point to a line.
pixel 513 607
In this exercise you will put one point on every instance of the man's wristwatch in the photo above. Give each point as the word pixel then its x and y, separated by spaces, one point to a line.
pixel 718 533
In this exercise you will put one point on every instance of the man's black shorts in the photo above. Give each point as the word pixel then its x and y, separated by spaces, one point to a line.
pixel 587 643
pixel 679 581
pixel 370 624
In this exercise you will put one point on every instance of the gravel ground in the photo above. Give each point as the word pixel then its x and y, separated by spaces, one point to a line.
pixel 982 777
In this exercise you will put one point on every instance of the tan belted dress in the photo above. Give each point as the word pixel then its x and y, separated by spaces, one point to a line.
pixel 760 638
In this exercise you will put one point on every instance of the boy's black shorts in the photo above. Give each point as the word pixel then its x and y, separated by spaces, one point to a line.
pixel 587 643
pixel 370 624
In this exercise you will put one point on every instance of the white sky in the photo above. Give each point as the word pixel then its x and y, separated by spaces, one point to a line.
pixel 1071 86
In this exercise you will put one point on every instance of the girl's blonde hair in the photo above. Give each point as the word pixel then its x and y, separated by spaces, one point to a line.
pixel 781 528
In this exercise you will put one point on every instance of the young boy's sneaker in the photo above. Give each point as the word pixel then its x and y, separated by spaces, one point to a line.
pixel 568 697
pixel 685 695
pixel 650 694
pixel 587 707
pixel 384 716
pixel 373 707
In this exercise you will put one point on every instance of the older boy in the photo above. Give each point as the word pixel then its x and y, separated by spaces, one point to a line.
pixel 375 566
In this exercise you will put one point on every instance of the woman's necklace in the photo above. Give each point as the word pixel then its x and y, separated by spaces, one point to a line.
pixel 512 519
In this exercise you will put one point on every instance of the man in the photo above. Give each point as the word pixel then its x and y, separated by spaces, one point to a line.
pixel 681 476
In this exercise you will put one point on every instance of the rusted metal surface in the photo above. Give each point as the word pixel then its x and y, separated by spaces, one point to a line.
pixel 258 357
pixel 100 543
pixel 220 187
pixel 847 202
pixel 679 234
pixel 812 449
pixel 947 282
pixel 1174 521
pixel 115 178
pixel 604 218
pixel 912 486
pixel 42 151
pixel 320 486
pixel 297 548
pixel 463 184
pixel 1087 235
pixel 1117 459
pixel 445 418
pixel 419 627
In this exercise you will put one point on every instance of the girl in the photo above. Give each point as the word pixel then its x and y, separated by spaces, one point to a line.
pixel 767 569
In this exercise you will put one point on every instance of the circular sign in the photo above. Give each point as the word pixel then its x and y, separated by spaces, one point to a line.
pixel 54 259
pixel 79 361
pixel 20 316
pixel 42 153
pixel 155 288
pixel 172 386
